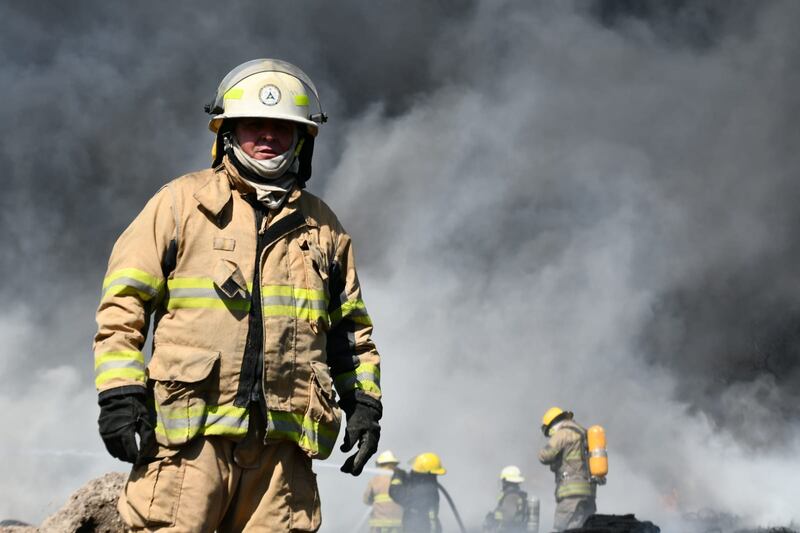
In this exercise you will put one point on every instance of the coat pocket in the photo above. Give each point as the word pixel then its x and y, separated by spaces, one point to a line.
pixel 230 280
pixel 323 418
pixel 179 376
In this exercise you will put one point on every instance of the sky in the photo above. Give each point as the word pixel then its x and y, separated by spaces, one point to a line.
pixel 588 204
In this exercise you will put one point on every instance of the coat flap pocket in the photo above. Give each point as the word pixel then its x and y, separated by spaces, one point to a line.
pixel 181 363
pixel 316 256
pixel 323 374
pixel 230 280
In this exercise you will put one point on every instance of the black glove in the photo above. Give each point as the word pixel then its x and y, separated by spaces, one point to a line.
pixel 122 417
pixel 363 412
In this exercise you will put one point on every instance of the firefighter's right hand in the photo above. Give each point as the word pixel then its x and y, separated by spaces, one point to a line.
pixel 122 418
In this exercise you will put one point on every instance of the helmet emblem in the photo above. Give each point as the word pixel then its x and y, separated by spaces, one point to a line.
pixel 269 95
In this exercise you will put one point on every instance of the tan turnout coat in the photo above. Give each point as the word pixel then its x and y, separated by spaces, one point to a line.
pixel 189 259
pixel 567 454
pixel 386 514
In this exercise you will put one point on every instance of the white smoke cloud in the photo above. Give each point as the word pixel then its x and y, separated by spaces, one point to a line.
pixel 522 196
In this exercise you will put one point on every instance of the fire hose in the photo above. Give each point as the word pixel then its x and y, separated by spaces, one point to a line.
pixel 453 507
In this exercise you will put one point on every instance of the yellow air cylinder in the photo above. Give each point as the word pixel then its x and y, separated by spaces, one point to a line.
pixel 598 455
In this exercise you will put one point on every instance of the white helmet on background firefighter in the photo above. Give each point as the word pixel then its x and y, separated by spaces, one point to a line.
pixel 387 458
pixel 267 88
pixel 511 474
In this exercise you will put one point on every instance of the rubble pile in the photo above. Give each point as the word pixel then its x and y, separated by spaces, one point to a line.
pixel 610 523
pixel 92 508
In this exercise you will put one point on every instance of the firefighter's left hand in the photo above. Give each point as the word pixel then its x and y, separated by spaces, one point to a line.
pixel 363 413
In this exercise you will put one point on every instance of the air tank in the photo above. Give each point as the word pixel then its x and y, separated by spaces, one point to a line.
pixel 533 514
pixel 598 456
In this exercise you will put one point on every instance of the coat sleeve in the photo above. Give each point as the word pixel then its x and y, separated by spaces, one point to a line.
pixel 134 282
pixel 551 451
pixel 353 358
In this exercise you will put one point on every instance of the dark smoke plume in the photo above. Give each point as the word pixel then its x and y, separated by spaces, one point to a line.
pixel 590 204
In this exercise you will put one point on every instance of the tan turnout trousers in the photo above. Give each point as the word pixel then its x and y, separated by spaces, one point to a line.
pixel 216 484
pixel 571 513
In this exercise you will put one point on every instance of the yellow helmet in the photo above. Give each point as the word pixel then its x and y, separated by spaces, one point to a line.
pixel 427 463
pixel 552 415
pixel 387 458
pixel 512 474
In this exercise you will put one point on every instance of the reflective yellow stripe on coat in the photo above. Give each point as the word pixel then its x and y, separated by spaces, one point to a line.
pixel 128 365
pixel 366 377
pixel 132 281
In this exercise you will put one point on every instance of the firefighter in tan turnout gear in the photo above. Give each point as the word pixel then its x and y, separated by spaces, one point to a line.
pixel 250 284
pixel 567 455
pixel 387 516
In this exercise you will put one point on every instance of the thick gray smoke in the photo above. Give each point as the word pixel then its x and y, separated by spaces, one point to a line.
pixel 581 204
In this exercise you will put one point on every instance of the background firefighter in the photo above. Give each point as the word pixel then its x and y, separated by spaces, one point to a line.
pixel 387 516
pixel 417 492
pixel 512 513
pixel 251 285
pixel 566 453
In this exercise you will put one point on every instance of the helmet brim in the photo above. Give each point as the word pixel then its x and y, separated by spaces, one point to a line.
pixel 216 123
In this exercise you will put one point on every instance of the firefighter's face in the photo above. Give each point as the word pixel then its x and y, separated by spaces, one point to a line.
pixel 264 138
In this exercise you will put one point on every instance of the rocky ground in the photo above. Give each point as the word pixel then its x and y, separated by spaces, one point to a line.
pixel 91 509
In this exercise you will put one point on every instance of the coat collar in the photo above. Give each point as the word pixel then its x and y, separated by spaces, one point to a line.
pixel 216 193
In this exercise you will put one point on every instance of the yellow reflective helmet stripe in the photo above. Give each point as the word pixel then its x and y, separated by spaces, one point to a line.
pixel 301 100
pixel 235 93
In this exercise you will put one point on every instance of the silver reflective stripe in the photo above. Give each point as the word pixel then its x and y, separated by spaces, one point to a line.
pixel 171 424
pixel 118 363
pixel 291 301
pixel 348 381
pixel 134 283
pixel 194 293
pixel 296 430
pixel 283 426
pixel 599 452
pixel 325 443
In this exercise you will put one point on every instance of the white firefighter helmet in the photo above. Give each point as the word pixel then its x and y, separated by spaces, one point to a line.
pixel 387 458
pixel 512 474
pixel 266 88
